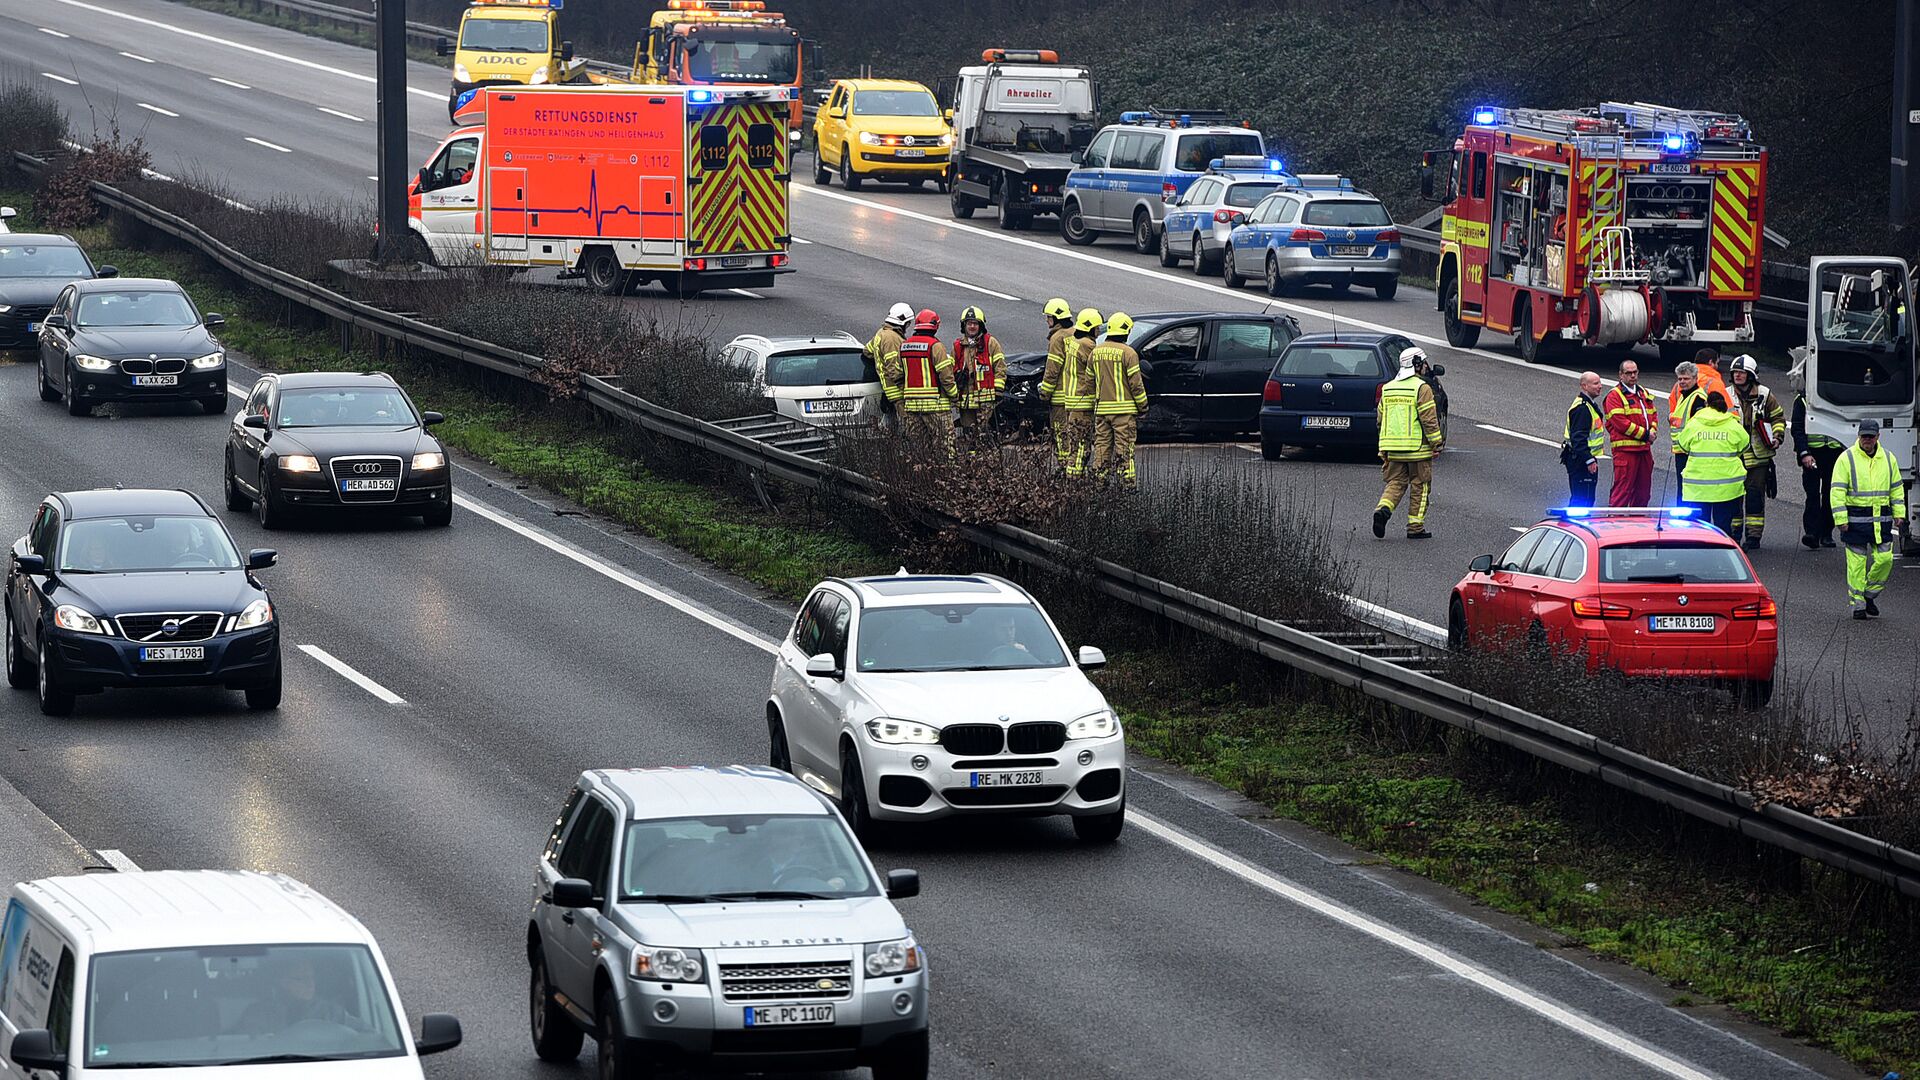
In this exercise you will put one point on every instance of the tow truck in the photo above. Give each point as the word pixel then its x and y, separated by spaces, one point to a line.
pixel 1859 360
pixel 509 43
pixel 621 185
pixel 1019 117
pixel 733 43
pixel 1609 225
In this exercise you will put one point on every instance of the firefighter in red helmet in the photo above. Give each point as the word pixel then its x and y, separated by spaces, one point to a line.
pixel 929 392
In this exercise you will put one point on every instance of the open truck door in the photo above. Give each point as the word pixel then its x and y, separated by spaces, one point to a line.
pixel 1859 359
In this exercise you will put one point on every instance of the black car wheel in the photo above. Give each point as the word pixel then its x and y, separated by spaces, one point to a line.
pixel 555 1036
pixel 619 1059
pixel 215 405
pixel 1276 285
pixel 848 178
pixel 1271 449
pixel 1460 335
pixel 908 1057
pixel 55 700
pixel 76 405
pixel 1073 226
pixel 19 670
pixel 853 795
pixel 237 500
pixel 267 509
pixel 1167 257
pixel 1386 289
pixel 267 694
pixel 1202 266
pixel 439 515
pixel 960 202
pixel 47 392
pixel 1101 828
pixel 1143 232
pixel 778 754
pixel 604 272
pixel 1007 217
pixel 1457 638
pixel 1232 277
pixel 821 174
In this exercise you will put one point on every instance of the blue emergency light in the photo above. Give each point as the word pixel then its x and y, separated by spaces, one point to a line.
pixel 699 97
pixel 1679 511
pixel 1676 142
pixel 461 101
pixel 1276 166
pixel 1485 116
pixel 1576 511
pixel 1133 117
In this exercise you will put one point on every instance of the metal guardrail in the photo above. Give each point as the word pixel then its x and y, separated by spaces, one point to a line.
pixel 1707 800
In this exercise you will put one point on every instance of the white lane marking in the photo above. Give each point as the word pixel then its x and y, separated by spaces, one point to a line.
pixel 1453 965
pixel 230 82
pixel 342 115
pixel 555 544
pixel 1187 280
pixel 1516 434
pixel 747 293
pixel 117 859
pixel 268 145
pixel 61 78
pixel 346 672
pixel 156 108
pixel 136 56
pixel 55 33
pixel 974 288
pixel 243 47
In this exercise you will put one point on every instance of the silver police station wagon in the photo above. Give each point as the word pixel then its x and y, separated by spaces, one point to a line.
pixel 720 918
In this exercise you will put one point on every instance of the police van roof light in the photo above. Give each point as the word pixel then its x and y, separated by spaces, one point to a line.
pixel 1484 115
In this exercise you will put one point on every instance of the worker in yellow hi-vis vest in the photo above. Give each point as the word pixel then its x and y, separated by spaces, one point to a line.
pixel 1409 438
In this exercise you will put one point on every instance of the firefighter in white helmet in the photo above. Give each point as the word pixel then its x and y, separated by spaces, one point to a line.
pixel 883 352
pixel 1409 420
pixel 1766 423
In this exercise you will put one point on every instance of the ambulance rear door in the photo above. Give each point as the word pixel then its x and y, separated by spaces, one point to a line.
pixel 737 172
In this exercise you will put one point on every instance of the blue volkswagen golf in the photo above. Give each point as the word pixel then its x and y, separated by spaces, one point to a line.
pixel 136 588
pixel 1325 389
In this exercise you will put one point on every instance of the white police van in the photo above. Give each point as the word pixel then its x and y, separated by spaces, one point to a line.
pixel 1125 177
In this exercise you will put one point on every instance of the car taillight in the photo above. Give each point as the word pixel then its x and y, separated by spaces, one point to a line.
pixel 1388 236
pixel 695 264
pixel 1307 234
pixel 1271 395
pixel 1592 607
pixel 1169 191
pixel 1379 391
pixel 779 260
pixel 1227 217
pixel 1759 609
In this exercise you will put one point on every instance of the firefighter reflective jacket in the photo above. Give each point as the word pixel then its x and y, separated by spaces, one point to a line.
pixel 1867 493
pixel 1071 387
pixel 1409 420
pixel 1118 389
pixel 928 375
pixel 884 351
pixel 1632 419
pixel 981 369
pixel 1060 344
pixel 1584 436
pixel 1713 442
pixel 1766 421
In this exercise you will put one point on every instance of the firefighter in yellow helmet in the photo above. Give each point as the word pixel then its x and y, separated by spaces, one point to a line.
pixel 1069 389
pixel 1409 422
pixel 1119 400
pixel 980 370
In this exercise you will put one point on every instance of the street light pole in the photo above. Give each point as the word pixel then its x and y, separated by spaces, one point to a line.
pixel 1906 112
pixel 390 18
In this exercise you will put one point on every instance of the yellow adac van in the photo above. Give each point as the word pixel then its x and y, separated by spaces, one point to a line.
pixel 881 129
pixel 507 42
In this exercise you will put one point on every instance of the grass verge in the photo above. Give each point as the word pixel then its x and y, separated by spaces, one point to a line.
pixel 1801 949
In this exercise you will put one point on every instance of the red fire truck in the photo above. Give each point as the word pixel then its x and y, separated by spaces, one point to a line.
pixel 1606 226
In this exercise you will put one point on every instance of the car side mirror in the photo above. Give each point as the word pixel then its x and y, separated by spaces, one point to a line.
pixel 107 272
pixel 215 320
pixel 1092 659
pixel 30 564
pixel 1481 564
pixel 420 180
pixel 34 1049
pixel 1439 370
pixel 566 50
pixel 6 212
pixel 572 893
pixel 438 1033
pixel 1426 181
pixel 253 420
pixel 903 884
pixel 1078 157
pixel 428 419
pixel 822 666
pixel 262 558
pixel 58 322
pixel 948 114
pixel 443 47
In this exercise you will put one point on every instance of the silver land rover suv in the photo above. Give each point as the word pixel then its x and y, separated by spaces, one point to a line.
pixel 720 918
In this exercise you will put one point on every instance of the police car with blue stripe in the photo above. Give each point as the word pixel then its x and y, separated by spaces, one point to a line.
pixel 1319 231
pixel 1199 223
pixel 1124 179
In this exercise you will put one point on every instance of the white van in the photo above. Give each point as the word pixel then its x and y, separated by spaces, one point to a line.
pixel 203 973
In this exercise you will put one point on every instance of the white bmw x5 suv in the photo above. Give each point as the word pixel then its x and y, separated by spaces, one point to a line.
pixel 913 697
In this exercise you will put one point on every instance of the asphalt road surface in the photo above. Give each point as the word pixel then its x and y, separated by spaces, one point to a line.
pixel 526 644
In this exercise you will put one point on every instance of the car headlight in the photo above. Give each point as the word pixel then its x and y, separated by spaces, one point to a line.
pixel 300 463
pixel 68 617
pixel 427 461
pixel 870 138
pixel 901 731
pixel 211 360
pixel 92 363
pixel 539 76
pixel 460 73
pixel 4 308
pixel 947 139
pixel 258 613
pixel 893 957
pixel 1094 725
pixel 667 965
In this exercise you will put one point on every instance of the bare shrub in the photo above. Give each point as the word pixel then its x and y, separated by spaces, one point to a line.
pixel 65 201
pixel 30 118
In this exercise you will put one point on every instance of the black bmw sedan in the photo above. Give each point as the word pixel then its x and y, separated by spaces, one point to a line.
pixel 34 267
pixel 339 441
pixel 136 588
pixel 131 339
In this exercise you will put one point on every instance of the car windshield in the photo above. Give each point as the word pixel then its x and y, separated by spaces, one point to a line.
pixel 152 307
pixel 1346 213
pixel 1196 152
pixel 957 637
pixel 43 261
pixel 1329 361
pixel 1244 195
pixel 894 103
pixel 742 856
pixel 748 61
pixel 830 367
pixel 132 545
pixel 336 406
pixel 1673 561
pixel 504 35
pixel 236 1005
